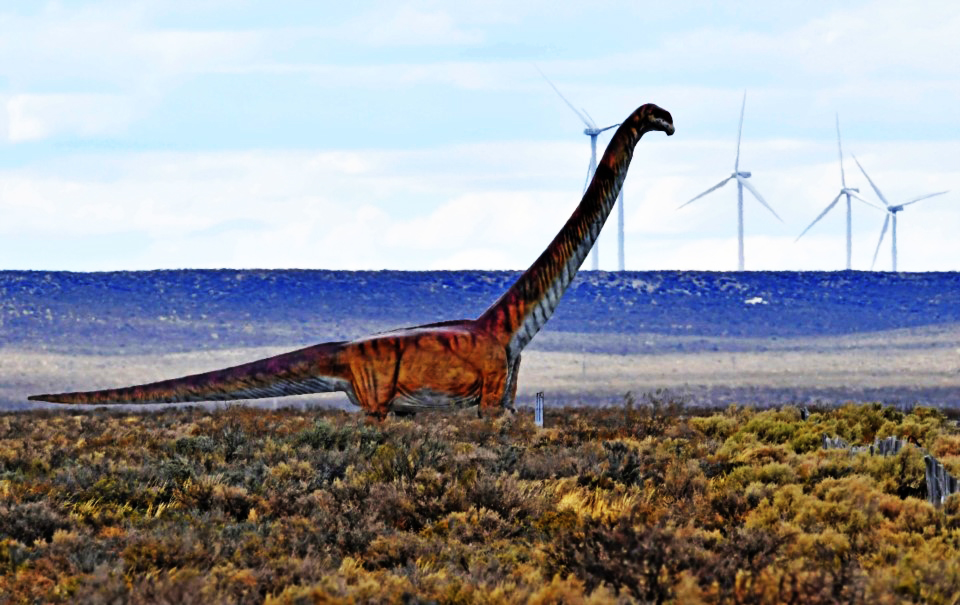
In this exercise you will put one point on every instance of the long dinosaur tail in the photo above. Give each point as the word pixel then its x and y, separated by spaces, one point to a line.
pixel 315 369
pixel 523 309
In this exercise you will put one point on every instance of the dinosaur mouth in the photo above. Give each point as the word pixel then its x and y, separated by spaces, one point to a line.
pixel 664 125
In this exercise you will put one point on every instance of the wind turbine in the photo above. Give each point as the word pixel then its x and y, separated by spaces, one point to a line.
pixel 844 191
pixel 891 211
pixel 592 131
pixel 741 178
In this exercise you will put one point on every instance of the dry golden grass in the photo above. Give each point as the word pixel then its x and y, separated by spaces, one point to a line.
pixel 616 505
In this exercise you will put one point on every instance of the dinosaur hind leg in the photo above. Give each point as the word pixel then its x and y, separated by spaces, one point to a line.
pixel 375 407
pixel 374 365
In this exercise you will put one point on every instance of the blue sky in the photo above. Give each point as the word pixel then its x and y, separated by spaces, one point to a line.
pixel 168 134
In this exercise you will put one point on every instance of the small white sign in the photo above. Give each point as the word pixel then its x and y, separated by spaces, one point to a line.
pixel 538 410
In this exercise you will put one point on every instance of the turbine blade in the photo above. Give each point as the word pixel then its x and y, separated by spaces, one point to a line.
pixel 843 178
pixel 593 124
pixel 871 204
pixel 883 232
pixel 923 197
pixel 569 104
pixel 822 214
pixel 714 188
pixel 879 195
pixel 759 197
pixel 608 127
pixel 736 164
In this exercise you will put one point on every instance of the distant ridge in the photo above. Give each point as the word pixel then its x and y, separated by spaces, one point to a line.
pixel 163 311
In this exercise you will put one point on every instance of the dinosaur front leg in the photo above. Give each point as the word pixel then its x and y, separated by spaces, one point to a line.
pixel 492 395
pixel 508 395
pixel 513 379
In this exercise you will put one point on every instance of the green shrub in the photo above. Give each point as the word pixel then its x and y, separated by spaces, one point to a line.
pixel 653 503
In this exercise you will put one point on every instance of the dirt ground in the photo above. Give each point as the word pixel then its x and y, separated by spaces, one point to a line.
pixel 907 366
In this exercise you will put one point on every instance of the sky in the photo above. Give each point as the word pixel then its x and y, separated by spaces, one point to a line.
pixel 170 134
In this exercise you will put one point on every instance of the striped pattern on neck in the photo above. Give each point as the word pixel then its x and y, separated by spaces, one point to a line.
pixel 526 306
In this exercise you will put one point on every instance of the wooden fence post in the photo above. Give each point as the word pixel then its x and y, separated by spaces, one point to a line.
pixel 940 483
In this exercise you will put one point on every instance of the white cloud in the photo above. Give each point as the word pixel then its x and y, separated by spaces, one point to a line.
pixel 32 117
pixel 99 70
pixel 463 206
pixel 871 39
pixel 476 258
pixel 495 218
pixel 373 209
pixel 115 46
pixel 410 26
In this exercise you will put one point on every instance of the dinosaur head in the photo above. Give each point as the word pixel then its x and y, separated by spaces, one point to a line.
pixel 650 117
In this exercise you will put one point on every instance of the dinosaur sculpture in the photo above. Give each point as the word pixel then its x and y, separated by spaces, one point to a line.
pixel 449 364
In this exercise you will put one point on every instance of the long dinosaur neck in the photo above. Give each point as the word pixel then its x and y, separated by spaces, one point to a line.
pixel 523 309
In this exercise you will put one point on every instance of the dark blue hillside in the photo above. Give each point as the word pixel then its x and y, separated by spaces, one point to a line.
pixel 190 309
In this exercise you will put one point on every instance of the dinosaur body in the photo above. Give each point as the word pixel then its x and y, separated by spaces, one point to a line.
pixel 449 364
pixel 439 365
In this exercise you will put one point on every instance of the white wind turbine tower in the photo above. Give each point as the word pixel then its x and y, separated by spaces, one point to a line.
pixel 592 131
pixel 844 191
pixel 891 211
pixel 741 178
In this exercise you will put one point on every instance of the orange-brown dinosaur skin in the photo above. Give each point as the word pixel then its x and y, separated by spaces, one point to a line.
pixel 440 365
pixel 449 364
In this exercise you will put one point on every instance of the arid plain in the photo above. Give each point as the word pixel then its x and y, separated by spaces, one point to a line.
pixel 709 338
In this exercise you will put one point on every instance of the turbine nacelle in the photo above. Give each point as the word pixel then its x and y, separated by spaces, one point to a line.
pixel 849 190
pixel 594 131
pixel 740 176
pixel 891 211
